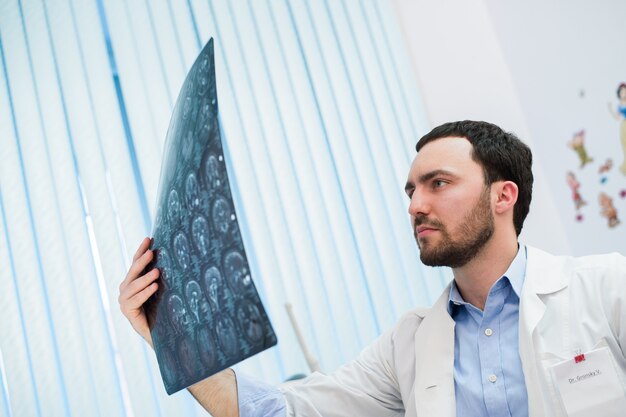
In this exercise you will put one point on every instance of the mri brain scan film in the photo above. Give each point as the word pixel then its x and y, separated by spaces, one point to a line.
pixel 207 314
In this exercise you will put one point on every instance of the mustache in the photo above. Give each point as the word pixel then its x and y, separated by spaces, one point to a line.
pixel 422 220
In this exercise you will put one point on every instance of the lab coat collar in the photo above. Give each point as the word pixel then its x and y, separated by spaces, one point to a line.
pixel 545 273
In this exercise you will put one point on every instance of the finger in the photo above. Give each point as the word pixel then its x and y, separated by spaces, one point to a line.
pixel 127 291
pixel 137 300
pixel 138 267
pixel 140 283
pixel 126 296
pixel 145 244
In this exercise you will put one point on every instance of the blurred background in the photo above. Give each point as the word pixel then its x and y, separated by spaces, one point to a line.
pixel 321 103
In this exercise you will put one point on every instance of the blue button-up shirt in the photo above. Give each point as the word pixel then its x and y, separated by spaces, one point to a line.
pixel 488 375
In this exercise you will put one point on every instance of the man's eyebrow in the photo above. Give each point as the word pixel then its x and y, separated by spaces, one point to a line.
pixel 429 176
pixel 435 173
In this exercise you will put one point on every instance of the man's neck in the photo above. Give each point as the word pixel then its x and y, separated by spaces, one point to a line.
pixel 475 279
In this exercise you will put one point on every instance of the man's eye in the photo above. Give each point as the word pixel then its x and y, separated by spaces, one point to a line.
pixel 438 183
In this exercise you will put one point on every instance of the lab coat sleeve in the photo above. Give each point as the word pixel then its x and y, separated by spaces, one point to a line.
pixel 366 386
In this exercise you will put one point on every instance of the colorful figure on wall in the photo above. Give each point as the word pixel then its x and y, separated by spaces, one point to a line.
pixel 620 114
pixel 578 145
pixel 604 168
pixel 574 185
pixel 608 210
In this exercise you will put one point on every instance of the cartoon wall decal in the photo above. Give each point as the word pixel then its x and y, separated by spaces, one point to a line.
pixel 620 114
pixel 608 209
pixel 604 168
pixel 574 185
pixel 598 193
pixel 578 145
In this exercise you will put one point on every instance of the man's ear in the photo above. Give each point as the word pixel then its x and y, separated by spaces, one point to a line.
pixel 506 195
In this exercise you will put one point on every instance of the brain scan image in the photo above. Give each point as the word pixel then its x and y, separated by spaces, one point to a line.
pixel 205 310
pixel 163 263
pixel 187 356
pixel 173 205
pixel 187 145
pixel 193 294
pixel 205 120
pixel 212 172
pixel 206 347
pixel 158 220
pixel 249 319
pixel 221 214
pixel 170 367
pixel 226 336
pixel 191 192
pixel 213 286
pixel 178 313
pixel 200 233
pixel 206 315
pixel 187 108
pixel 236 272
pixel 202 80
pixel 181 250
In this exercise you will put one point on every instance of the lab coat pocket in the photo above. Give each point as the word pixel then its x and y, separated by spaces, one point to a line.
pixel 585 380
pixel 549 359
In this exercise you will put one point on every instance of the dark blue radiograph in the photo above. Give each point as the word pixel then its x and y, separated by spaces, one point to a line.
pixel 207 314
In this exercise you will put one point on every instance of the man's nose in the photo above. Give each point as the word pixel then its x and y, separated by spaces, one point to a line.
pixel 418 205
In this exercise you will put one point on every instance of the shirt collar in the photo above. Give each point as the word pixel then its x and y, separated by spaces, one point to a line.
pixel 515 275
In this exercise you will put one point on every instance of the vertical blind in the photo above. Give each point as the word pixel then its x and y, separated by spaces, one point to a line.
pixel 319 113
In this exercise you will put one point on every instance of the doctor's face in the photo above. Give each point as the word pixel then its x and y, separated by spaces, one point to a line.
pixel 450 205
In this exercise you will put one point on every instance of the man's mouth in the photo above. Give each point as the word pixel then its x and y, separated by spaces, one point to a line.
pixel 422 231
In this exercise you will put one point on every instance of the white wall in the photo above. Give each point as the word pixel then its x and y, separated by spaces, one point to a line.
pixel 523 65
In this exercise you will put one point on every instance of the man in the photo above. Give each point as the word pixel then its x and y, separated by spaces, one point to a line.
pixel 486 346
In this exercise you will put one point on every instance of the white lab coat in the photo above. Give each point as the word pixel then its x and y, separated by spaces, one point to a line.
pixel 567 304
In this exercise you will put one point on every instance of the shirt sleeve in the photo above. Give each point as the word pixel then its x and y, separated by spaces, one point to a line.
pixel 258 399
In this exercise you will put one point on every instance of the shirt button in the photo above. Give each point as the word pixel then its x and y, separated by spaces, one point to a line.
pixel 493 378
pixel 488 332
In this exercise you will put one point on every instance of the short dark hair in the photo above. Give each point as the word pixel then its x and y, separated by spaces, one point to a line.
pixel 501 154
pixel 619 88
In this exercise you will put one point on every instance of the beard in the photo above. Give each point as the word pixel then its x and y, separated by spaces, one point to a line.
pixel 471 236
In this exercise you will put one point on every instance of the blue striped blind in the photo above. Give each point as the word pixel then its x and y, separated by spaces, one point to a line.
pixel 319 112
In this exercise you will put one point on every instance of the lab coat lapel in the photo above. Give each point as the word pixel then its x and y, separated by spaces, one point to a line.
pixel 434 362
pixel 544 275
pixel 532 310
